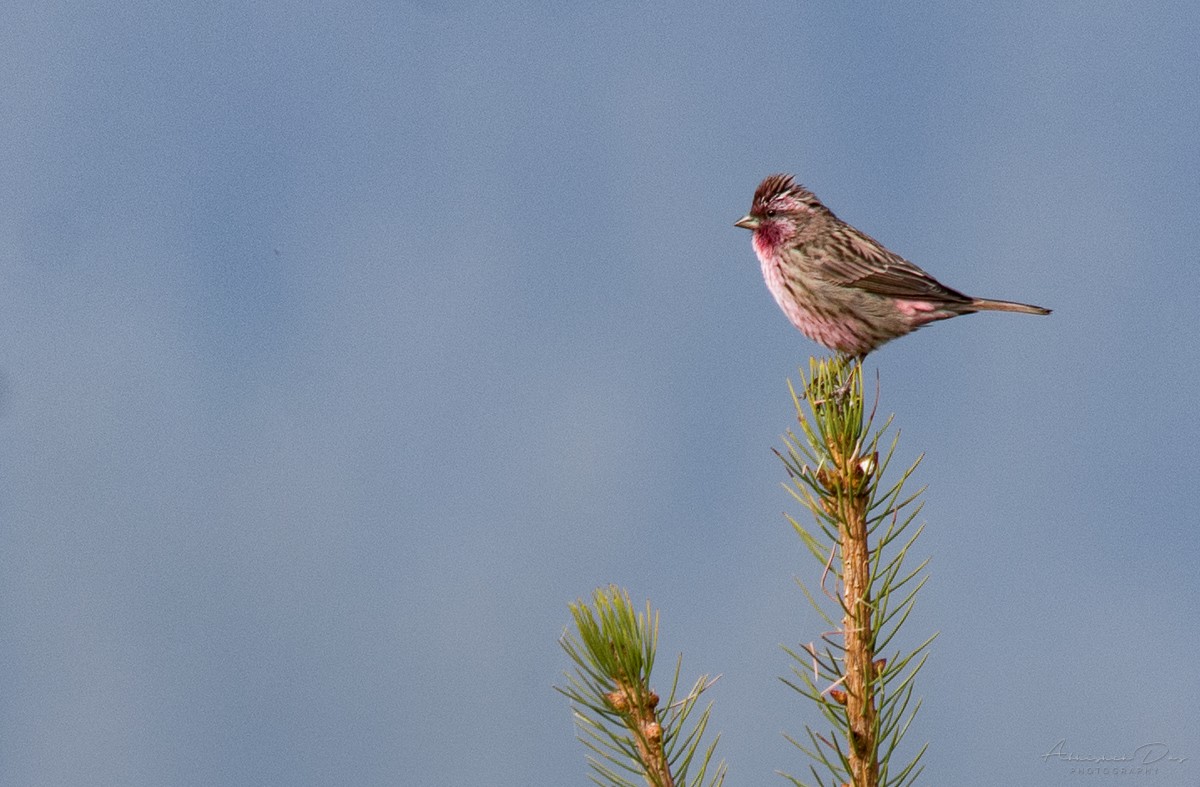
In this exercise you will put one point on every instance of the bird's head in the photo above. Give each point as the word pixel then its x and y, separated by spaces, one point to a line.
pixel 783 212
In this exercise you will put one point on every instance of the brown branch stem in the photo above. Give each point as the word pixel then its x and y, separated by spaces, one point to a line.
pixel 856 623
pixel 637 705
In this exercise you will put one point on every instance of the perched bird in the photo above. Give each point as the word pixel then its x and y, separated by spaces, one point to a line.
pixel 842 288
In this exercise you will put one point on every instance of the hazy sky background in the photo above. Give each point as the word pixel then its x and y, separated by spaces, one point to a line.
pixel 345 344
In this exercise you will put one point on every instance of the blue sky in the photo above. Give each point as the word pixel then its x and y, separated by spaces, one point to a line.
pixel 347 344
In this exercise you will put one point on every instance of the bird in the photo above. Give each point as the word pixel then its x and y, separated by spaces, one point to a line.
pixel 842 288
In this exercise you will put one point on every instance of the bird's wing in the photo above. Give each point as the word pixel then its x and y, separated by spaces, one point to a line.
pixel 864 263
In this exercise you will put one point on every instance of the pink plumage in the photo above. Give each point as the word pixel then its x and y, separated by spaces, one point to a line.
pixel 840 287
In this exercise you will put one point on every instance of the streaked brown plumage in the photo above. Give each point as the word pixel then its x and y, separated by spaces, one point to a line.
pixel 840 287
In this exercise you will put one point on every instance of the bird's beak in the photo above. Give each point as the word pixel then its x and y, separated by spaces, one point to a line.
pixel 747 222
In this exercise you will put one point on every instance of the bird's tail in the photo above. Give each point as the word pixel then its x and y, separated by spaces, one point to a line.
pixel 985 305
